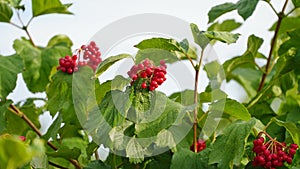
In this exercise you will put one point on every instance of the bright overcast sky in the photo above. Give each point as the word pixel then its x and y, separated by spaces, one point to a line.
pixel 91 16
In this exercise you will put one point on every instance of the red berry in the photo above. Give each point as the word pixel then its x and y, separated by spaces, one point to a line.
pixel 151 88
pixel 74 57
pixel 143 74
pixel 70 70
pixel 134 77
pixel 294 146
pixel 68 57
pixel 144 85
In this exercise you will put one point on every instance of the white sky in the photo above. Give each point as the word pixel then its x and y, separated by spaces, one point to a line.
pixel 92 15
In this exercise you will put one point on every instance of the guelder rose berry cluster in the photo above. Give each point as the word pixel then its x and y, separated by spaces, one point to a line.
pixel 272 154
pixel 68 64
pixel 91 57
pixel 200 144
pixel 148 74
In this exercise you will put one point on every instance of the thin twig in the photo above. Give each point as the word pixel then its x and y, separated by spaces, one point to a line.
pixel 190 59
pixel 195 126
pixel 273 44
pixel 56 165
pixel 19 113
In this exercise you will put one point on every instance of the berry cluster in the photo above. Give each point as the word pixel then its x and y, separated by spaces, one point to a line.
pixel 201 145
pixel 151 76
pixel 68 64
pixel 91 55
pixel 272 154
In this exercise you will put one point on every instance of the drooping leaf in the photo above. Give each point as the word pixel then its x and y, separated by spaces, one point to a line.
pixel 61 40
pixel 232 108
pixel 229 147
pixel 227 25
pixel 109 62
pixel 97 164
pixel 219 10
pixel 225 37
pixel 199 36
pixel 10 67
pixel 291 128
pixel 134 151
pixel 246 8
pixel 38 63
pixel 42 7
pixel 185 158
pixel 6 12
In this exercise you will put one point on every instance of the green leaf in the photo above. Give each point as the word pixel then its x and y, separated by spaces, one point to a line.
pixel 96 165
pixel 13 153
pixel 160 43
pixel 296 3
pixel 61 40
pixel 114 107
pixel 65 152
pixel 38 63
pixel 219 10
pixel 166 113
pixel 42 7
pixel 156 55
pixel 225 37
pixel 228 149
pixel 10 67
pixel 134 151
pixel 246 8
pixel 6 12
pixel 165 138
pixel 63 101
pixel 109 62
pixel 53 129
pixel 254 43
pixel 291 43
pixel 288 24
pixel 3 110
pixel 199 36
pixel 227 25
pixel 160 161
pixel 185 158
pixel 291 128
pixel 232 108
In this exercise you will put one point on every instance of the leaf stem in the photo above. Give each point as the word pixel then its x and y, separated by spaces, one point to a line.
pixel 273 44
pixel 19 113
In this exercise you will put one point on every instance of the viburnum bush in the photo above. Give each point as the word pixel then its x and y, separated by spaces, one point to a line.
pixel 130 114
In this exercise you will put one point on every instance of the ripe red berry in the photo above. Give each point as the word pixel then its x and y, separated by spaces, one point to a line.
pixel 144 85
pixel 200 145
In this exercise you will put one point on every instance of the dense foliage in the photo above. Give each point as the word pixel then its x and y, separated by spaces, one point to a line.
pixel 143 127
